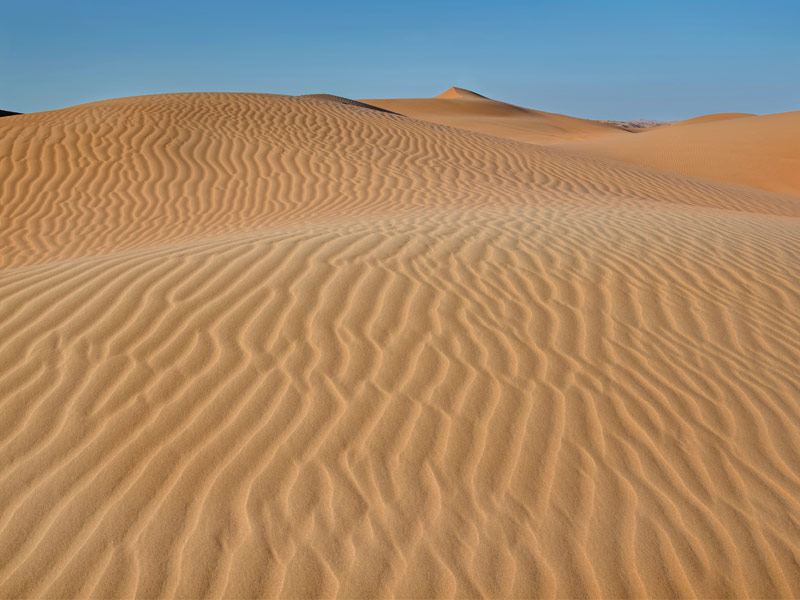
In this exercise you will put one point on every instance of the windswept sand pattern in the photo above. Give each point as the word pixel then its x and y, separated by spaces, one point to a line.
pixel 141 172
pixel 361 370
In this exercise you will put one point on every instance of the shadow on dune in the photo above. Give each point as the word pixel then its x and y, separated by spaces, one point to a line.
pixel 342 100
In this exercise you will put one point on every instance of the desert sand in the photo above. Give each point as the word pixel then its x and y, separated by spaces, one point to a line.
pixel 273 346
pixel 761 151
pixel 464 109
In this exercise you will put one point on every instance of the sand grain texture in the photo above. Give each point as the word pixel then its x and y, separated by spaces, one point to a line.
pixel 264 346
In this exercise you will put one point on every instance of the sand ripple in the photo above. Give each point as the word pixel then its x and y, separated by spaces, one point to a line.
pixel 269 346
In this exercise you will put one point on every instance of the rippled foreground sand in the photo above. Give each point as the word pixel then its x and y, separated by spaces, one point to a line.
pixel 259 345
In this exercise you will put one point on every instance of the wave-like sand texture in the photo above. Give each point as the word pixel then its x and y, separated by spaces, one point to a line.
pixel 270 346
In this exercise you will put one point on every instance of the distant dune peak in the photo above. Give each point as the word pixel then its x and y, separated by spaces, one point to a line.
pixel 459 93
pixel 465 109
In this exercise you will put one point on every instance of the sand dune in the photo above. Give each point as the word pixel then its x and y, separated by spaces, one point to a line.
pixel 462 108
pixel 265 346
pixel 759 151
pixel 711 118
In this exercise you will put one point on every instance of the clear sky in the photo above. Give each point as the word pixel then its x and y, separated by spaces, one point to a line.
pixel 614 60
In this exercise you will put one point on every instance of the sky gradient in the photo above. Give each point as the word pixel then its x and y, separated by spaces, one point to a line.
pixel 603 60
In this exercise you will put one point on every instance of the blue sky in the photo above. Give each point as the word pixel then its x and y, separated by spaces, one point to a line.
pixel 615 60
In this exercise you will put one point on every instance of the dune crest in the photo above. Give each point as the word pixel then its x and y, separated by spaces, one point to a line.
pixel 711 118
pixel 460 93
pixel 457 107
pixel 271 346
pixel 761 151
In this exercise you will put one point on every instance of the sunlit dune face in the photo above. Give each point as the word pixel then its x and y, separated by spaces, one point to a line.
pixel 268 346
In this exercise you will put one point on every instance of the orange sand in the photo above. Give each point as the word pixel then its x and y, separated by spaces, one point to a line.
pixel 758 151
pixel 266 346
pixel 467 110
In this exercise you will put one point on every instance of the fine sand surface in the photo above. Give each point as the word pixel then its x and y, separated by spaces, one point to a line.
pixel 462 108
pixel 762 151
pixel 267 346
pixel 712 117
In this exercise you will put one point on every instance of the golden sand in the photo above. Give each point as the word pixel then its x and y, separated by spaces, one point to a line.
pixel 267 346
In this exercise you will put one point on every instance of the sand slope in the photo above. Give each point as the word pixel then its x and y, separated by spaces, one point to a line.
pixel 711 118
pixel 462 108
pixel 760 151
pixel 260 346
